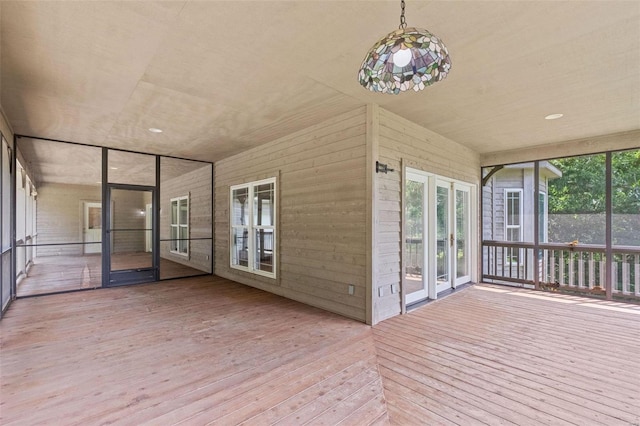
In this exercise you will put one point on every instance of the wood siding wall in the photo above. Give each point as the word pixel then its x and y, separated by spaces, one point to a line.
pixel 504 179
pixel 59 217
pixel 493 202
pixel 197 185
pixel 321 185
pixel 402 142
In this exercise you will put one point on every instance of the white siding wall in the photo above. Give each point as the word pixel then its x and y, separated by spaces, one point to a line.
pixel 321 215
pixel 403 142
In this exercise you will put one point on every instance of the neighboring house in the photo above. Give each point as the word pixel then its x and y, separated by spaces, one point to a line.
pixel 509 210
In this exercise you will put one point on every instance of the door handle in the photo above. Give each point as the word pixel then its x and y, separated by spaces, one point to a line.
pixel 451 240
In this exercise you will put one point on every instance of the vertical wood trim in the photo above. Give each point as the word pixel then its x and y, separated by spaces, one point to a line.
pixel 276 249
pixel 372 141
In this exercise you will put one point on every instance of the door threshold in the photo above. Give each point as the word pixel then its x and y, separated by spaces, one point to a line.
pixel 441 295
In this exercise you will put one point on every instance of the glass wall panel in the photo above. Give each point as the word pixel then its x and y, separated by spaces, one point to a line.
pixel 577 209
pixel 625 198
pixel 625 195
pixel 508 203
pixel 131 168
pixel 186 238
pixel 462 233
pixel 6 278
pixel 6 196
pixel 5 226
pixel 508 216
pixel 59 207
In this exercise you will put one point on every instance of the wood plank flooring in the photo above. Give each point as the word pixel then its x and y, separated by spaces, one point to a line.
pixel 209 351
pixel 52 274
pixel 493 355
pixel 196 351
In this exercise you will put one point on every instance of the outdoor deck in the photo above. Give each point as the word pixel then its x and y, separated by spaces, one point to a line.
pixel 207 350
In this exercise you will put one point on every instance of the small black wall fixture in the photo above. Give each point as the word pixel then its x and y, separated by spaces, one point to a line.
pixel 382 168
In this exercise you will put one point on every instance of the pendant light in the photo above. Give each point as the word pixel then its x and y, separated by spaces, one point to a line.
pixel 408 58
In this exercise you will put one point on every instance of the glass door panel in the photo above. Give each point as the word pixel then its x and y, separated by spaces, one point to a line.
pixel 131 258
pixel 444 237
pixel 463 235
pixel 414 279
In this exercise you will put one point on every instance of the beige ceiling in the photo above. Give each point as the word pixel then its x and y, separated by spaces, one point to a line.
pixel 222 76
pixel 48 162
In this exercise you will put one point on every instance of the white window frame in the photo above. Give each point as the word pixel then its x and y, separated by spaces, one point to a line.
pixel 545 217
pixel 252 228
pixel 507 215
pixel 180 244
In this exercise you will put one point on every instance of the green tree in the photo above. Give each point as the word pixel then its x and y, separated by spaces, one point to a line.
pixel 577 200
pixel 581 189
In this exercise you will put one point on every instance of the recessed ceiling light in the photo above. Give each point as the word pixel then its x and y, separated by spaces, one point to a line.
pixel 155 130
pixel 113 168
pixel 553 116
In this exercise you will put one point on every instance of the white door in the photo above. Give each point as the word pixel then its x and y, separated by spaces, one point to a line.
pixel 92 232
pixel 462 232
pixel 415 233
pixel 437 220
pixel 453 234
pixel 443 236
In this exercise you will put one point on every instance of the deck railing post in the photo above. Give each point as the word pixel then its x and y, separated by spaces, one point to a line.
pixel 626 272
pixel 592 268
pixel 636 281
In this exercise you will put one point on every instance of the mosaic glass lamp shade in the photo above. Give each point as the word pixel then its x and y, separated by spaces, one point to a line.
pixel 408 58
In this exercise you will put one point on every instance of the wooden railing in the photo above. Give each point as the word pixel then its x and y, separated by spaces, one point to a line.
pixel 579 267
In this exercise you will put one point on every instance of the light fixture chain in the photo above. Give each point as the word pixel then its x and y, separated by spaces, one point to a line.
pixel 403 22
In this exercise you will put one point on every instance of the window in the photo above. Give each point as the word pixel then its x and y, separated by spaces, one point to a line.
pixel 253 227
pixel 180 225
pixel 513 221
pixel 542 217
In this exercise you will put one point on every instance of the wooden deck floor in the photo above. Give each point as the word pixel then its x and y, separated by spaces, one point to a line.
pixel 193 351
pixel 206 350
pixel 492 355
pixel 52 274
